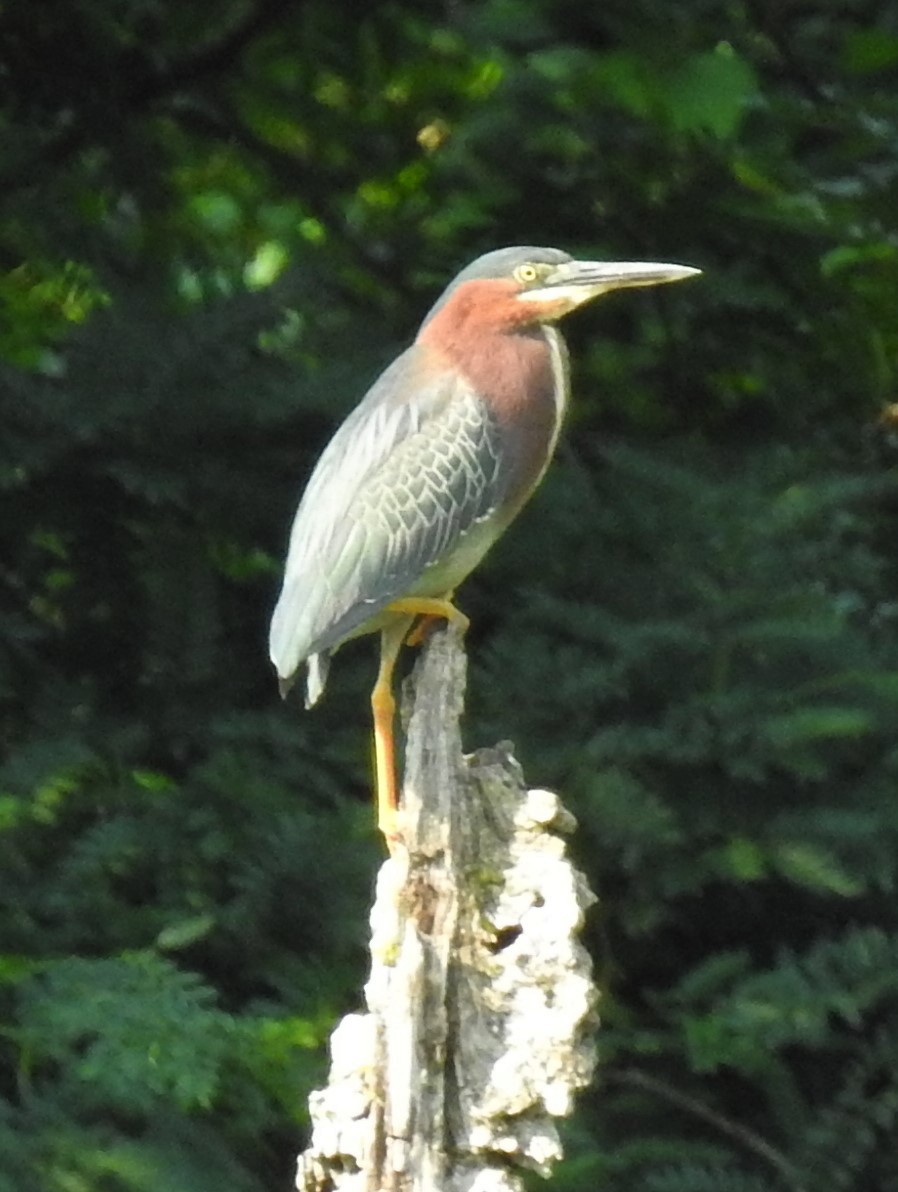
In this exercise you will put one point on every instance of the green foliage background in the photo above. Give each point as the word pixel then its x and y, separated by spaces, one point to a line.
pixel 216 224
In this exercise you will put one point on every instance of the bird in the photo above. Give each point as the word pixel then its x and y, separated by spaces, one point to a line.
pixel 431 467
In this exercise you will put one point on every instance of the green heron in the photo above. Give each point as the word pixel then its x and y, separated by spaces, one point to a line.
pixel 432 466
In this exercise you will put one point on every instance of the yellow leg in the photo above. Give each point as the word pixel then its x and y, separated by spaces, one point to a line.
pixel 383 707
pixel 383 704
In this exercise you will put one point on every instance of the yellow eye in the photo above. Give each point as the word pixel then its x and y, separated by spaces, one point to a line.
pixel 526 274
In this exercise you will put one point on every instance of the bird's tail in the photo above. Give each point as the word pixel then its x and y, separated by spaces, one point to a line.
pixel 316 677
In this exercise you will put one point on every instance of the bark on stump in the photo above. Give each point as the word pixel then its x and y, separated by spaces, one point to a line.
pixel 480 1002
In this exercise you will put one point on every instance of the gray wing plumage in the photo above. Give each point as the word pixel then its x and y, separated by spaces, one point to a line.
pixel 409 473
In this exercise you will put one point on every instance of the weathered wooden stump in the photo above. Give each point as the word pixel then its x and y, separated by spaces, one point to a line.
pixel 480 1000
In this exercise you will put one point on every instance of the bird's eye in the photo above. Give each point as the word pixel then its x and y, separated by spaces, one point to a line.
pixel 526 274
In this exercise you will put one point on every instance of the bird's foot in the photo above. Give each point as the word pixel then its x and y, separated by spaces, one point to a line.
pixel 429 607
pixel 422 630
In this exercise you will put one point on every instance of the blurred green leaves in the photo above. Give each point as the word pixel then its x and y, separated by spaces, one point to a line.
pixel 709 92
pixel 212 237
pixel 712 93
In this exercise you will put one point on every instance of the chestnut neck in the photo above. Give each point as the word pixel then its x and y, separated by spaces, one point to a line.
pixel 494 342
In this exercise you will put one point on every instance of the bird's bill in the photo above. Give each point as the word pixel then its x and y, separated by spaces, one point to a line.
pixel 575 282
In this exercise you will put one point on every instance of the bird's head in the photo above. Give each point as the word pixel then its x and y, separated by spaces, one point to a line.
pixel 514 287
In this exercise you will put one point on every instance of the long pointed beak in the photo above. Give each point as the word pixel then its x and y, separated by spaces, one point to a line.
pixel 576 282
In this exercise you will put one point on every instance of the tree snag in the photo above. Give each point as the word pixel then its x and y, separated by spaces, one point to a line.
pixel 480 1000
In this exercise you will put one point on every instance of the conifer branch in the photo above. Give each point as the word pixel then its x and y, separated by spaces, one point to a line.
pixel 747 1138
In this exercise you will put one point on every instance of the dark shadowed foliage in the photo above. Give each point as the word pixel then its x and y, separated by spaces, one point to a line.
pixel 216 224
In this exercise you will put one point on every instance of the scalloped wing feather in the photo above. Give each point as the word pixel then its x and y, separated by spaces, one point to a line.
pixel 399 498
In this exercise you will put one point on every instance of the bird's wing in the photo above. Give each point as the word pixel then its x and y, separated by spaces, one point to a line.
pixel 407 475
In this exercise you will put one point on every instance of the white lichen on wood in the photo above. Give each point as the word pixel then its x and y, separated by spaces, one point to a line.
pixel 480 1000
